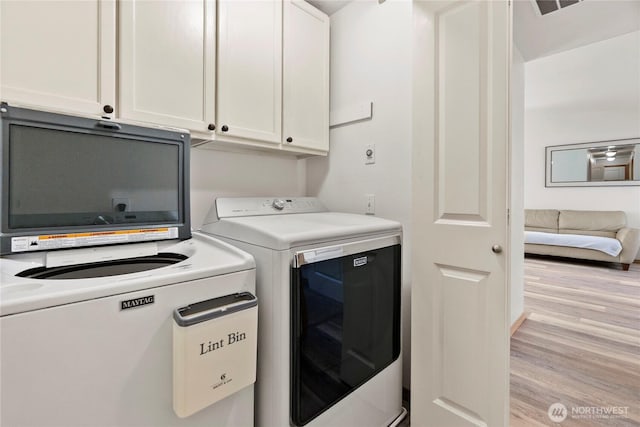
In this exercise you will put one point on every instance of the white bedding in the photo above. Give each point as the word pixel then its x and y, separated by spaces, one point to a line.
pixel 603 244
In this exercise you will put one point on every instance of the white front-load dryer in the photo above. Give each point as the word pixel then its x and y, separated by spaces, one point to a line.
pixel 329 285
pixel 91 344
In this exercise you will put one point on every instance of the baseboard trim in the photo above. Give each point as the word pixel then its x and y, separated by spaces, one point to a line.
pixel 519 321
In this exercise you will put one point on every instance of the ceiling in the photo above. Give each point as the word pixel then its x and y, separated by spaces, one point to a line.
pixel 535 35
pixel 612 155
pixel 579 24
pixel 329 6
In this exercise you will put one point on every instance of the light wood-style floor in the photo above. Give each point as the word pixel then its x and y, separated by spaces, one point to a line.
pixel 580 345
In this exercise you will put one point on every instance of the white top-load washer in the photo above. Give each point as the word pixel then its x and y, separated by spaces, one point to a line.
pixel 111 313
pixel 87 341
pixel 329 288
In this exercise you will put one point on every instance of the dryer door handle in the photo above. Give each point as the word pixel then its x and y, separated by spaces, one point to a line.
pixel 338 251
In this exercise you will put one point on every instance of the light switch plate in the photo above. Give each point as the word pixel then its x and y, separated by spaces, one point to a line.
pixel 371 204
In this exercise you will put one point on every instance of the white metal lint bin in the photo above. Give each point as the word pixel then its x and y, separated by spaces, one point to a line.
pixel 214 350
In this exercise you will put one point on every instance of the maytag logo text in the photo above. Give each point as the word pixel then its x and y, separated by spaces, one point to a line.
pixel 136 302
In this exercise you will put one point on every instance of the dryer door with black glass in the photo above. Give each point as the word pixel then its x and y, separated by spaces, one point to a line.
pixel 345 314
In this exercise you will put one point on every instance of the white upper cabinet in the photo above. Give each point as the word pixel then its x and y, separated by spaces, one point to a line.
pixel 260 81
pixel 305 76
pixel 249 98
pixel 167 62
pixel 58 55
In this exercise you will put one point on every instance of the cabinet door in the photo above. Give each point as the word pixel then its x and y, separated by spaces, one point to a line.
pixel 167 62
pixel 306 76
pixel 59 55
pixel 250 69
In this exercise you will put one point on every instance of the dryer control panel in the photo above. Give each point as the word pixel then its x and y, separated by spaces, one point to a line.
pixel 254 206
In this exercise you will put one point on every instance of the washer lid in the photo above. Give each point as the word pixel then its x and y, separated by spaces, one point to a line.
pixel 283 232
pixel 205 257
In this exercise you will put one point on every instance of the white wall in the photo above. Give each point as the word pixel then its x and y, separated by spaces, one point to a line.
pixel 371 61
pixel 225 174
pixel 516 274
pixel 587 94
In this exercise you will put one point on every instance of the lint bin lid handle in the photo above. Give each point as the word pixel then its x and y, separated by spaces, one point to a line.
pixel 203 311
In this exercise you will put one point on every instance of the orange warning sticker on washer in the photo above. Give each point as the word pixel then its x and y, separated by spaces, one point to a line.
pixel 73 240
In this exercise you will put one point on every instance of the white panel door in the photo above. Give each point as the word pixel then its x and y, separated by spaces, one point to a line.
pixel 167 62
pixel 59 55
pixel 250 69
pixel 460 306
pixel 305 102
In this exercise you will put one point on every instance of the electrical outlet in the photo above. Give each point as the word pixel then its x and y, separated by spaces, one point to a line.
pixel 371 204
pixel 370 154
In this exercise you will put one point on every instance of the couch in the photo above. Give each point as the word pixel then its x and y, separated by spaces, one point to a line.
pixel 590 235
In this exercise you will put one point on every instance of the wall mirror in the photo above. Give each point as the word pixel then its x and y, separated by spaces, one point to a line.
pixel 594 164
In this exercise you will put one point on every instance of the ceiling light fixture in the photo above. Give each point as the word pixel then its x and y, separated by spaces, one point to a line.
pixel 610 159
pixel 610 153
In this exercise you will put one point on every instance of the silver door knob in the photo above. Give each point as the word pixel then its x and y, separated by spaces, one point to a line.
pixel 496 249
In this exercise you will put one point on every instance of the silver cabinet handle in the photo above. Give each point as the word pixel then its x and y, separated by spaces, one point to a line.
pixel 496 249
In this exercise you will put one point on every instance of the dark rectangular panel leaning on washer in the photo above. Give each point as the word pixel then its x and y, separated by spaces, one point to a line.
pixel 66 174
